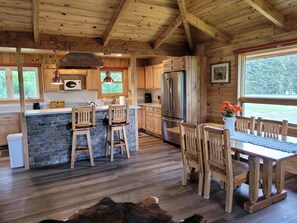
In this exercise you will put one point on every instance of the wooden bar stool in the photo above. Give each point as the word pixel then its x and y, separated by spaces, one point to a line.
pixel 118 118
pixel 83 119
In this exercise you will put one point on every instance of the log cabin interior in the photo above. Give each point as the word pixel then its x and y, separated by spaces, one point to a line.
pixel 240 51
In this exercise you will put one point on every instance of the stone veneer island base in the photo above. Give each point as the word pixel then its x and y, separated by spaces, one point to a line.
pixel 50 140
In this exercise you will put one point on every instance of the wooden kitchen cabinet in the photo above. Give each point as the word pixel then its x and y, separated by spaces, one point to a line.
pixel 141 117
pixel 149 77
pixel 48 75
pixel 158 71
pixel 140 77
pixel 157 121
pixel 174 64
pixel 93 80
pixel 9 124
pixel 149 122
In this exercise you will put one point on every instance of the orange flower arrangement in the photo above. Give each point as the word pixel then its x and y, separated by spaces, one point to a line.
pixel 229 110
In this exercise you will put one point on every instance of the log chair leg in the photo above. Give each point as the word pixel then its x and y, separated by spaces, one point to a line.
pixel 279 177
pixel 229 197
pixel 121 140
pixel 111 144
pixel 107 141
pixel 126 142
pixel 90 148
pixel 73 157
pixel 200 183
pixel 207 184
pixel 184 175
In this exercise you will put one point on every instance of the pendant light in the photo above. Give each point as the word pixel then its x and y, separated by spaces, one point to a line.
pixel 57 80
pixel 108 79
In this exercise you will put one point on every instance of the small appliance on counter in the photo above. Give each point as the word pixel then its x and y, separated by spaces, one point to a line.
pixel 36 106
pixel 147 98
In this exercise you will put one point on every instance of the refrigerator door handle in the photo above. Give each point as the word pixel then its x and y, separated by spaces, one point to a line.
pixel 168 94
pixel 171 94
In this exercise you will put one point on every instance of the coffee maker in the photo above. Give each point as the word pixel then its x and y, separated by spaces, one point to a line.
pixel 147 98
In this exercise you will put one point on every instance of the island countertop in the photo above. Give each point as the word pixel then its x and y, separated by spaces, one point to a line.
pixel 52 111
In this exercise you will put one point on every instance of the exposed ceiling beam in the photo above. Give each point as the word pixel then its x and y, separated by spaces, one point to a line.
pixel 268 11
pixel 206 28
pixel 36 20
pixel 168 31
pixel 114 21
pixel 183 12
pixel 84 44
pixel 171 5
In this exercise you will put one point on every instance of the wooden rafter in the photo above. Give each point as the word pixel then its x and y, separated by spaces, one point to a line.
pixel 36 20
pixel 206 28
pixel 114 21
pixel 85 44
pixel 268 11
pixel 168 31
pixel 183 12
pixel 158 3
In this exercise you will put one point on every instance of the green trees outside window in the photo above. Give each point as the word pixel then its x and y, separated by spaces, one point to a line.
pixel 9 83
pixel 114 88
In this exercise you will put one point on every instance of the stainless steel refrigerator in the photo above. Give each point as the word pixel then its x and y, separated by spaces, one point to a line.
pixel 173 92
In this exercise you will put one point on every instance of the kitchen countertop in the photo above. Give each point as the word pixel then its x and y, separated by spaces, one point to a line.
pixel 51 111
pixel 153 105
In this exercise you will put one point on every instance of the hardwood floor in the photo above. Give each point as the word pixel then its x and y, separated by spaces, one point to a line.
pixel 155 170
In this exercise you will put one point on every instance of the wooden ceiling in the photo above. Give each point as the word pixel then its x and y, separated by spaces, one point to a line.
pixel 153 24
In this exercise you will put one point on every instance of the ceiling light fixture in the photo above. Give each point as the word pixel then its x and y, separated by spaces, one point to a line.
pixel 108 79
pixel 57 79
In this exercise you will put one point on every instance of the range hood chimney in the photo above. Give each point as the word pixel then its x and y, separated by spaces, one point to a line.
pixel 74 60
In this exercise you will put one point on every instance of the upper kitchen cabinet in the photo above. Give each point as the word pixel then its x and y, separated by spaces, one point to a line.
pixel 158 71
pixel 93 80
pixel 153 76
pixel 149 77
pixel 174 64
pixel 140 77
pixel 48 75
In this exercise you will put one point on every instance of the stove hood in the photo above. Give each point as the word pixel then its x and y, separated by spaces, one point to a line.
pixel 74 60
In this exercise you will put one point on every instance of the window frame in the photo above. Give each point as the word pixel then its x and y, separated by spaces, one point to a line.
pixel 124 82
pixel 263 100
pixel 9 85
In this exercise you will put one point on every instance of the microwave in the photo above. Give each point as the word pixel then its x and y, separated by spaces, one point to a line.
pixel 72 85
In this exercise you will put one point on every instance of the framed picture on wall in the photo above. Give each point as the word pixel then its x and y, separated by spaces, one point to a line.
pixel 220 73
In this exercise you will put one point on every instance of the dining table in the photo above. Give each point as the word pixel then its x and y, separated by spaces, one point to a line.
pixel 264 155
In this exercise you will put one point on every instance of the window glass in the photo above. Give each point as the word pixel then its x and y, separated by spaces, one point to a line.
pixel 3 85
pixel 274 76
pixel 9 83
pixel 269 111
pixel 30 83
pixel 116 87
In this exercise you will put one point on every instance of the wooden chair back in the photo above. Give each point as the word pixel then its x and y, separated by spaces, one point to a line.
pixel 272 129
pixel 191 145
pixel 118 114
pixel 83 117
pixel 245 124
pixel 217 153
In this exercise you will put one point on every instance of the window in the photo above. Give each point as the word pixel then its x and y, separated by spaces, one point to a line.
pixel 10 84
pixel 268 85
pixel 117 88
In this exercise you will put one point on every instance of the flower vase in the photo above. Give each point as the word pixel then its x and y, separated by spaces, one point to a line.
pixel 230 124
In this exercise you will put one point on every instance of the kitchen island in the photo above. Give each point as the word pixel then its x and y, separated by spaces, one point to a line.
pixel 50 140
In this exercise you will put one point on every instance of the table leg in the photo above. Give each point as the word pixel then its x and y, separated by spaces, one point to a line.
pixel 254 176
pixel 267 178
pixel 279 177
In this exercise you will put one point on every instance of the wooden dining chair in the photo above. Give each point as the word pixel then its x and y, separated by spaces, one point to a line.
pixel 245 124
pixel 219 163
pixel 83 119
pixel 118 118
pixel 276 130
pixel 272 128
pixel 191 147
